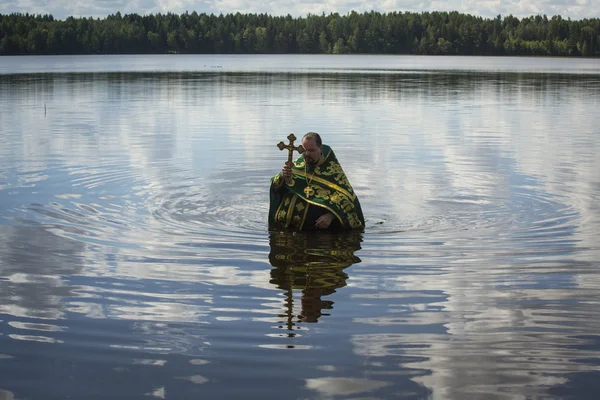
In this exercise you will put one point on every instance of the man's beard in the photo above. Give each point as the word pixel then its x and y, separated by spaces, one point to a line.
pixel 314 160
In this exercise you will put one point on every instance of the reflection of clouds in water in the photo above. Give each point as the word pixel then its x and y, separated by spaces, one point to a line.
pixel 159 392
pixel 6 395
pixel 153 311
pixel 432 136
pixel 437 154
pixel 183 305
pixel 489 348
pixel 498 335
pixel 34 338
pixel 333 386
pixel 504 330
pixel 164 338
pixel 560 151
pixel 164 156
pixel 462 368
pixel 404 149
pixel 32 263
pixel 160 148
pixel 154 363
pixel 216 275
pixel 196 379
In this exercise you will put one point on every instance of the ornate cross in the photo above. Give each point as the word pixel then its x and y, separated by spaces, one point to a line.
pixel 291 137
pixel 290 147
pixel 308 191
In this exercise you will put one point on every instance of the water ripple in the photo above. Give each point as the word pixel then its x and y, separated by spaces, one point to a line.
pixel 134 244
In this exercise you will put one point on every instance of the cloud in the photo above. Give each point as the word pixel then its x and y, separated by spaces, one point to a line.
pixel 575 9
pixel 61 9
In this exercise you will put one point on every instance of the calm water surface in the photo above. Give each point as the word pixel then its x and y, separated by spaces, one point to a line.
pixel 135 260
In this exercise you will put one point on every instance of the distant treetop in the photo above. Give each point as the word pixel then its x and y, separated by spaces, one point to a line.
pixel 370 32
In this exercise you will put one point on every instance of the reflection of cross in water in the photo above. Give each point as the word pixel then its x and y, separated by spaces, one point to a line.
pixel 310 301
pixel 289 302
pixel 290 147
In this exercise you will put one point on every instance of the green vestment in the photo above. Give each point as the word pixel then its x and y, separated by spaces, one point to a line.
pixel 324 186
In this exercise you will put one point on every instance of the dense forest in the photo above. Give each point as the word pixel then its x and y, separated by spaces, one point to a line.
pixel 371 32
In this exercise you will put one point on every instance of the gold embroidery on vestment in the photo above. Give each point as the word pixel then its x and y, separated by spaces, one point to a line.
pixel 331 185
pixel 290 211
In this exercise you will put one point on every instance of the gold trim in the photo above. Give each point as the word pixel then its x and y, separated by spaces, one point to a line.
pixel 304 218
pixel 291 211
pixel 331 185
pixel 278 180
pixel 279 209
pixel 323 158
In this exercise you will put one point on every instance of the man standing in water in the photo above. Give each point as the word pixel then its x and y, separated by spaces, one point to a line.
pixel 314 193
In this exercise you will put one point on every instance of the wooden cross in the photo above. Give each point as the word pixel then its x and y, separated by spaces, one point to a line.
pixel 290 147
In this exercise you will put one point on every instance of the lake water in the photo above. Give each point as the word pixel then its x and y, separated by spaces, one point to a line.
pixel 135 260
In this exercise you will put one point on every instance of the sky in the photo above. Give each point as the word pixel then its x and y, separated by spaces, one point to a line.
pixel 574 9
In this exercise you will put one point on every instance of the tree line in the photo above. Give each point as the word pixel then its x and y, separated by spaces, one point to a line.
pixel 372 32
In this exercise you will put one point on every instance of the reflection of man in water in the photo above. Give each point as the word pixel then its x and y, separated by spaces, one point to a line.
pixel 314 264
pixel 314 193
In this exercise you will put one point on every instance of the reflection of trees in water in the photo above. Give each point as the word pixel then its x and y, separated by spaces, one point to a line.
pixel 32 261
pixel 314 264
pixel 436 85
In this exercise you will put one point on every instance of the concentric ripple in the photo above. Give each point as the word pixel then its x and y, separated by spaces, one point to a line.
pixel 135 258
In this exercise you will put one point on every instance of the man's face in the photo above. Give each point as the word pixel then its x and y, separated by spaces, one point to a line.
pixel 312 152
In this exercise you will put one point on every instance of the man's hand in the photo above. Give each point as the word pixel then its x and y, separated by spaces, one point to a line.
pixel 324 221
pixel 286 172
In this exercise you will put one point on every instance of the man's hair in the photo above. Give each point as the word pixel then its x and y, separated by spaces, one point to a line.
pixel 315 136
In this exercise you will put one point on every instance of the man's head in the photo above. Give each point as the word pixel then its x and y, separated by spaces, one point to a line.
pixel 312 147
